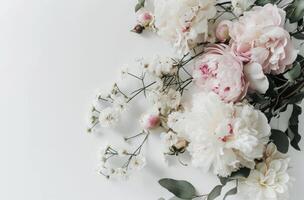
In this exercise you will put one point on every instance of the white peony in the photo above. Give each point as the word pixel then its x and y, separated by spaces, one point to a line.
pixel 184 23
pixel 223 137
pixel 269 181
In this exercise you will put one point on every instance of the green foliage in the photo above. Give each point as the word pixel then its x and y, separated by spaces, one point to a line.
pixel 233 191
pixel 280 139
pixel 293 127
pixel 181 189
pixel 216 192
pixel 139 5
pixel 295 11
pixel 264 2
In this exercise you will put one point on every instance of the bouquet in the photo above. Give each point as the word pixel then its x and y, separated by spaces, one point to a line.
pixel 237 69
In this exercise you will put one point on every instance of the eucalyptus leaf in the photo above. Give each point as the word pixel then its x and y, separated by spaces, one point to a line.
pixel 280 139
pixel 293 127
pixel 264 2
pixel 295 11
pixel 181 189
pixel 296 98
pixel 139 5
pixel 299 36
pixel 216 192
pixel 233 191
pixel 294 73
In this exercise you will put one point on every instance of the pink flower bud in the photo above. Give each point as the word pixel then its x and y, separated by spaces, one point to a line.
pixel 144 18
pixel 150 121
pixel 222 31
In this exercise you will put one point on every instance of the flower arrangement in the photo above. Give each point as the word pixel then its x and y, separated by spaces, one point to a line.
pixel 237 68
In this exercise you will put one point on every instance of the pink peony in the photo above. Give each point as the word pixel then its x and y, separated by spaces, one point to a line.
pixel 259 37
pixel 220 71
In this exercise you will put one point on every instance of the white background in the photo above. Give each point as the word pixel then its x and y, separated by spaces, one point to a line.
pixel 53 55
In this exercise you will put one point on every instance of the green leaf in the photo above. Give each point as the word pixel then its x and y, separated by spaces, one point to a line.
pixel 295 11
pixel 233 191
pixel 293 127
pixel 241 173
pixel 296 98
pixel 299 36
pixel 294 73
pixel 139 5
pixel 216 192
pixel 181 189
pixel 280 139
pixel 264 2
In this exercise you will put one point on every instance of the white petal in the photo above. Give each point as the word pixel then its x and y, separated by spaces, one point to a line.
pixel 257 79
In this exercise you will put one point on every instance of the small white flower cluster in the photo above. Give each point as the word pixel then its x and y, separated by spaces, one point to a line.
pixel 269 180
pixel 107 108
pixel 132 162
pixel 160 66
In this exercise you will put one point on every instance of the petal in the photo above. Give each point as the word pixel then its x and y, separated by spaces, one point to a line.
pixel 256 77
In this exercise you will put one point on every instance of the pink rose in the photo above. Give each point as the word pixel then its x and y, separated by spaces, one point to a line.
pixel 259 37
pixel 220 71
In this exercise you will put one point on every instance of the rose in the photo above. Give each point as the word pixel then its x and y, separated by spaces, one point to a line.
pixel 220 71
pixel 259 37
pixel 184 23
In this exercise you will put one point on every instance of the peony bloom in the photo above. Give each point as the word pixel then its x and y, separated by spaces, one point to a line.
pixel 184 23
pixel 259 36
pixel 269 181
pixel 223 137
pixel 220 71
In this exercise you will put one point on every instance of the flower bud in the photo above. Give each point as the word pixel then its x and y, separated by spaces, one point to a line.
pixel 144 18
pixel 138 29
pixel 222 31
pixel 181 144
pixel 150 121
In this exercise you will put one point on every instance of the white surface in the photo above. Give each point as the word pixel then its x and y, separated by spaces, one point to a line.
pixel 53 55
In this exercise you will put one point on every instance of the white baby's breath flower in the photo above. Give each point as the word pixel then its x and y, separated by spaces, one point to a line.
pixel 169 139
pixel 124 72
pixel 120 102
pixel 160 66
pixel 166 101
pixel 119 173
pixel 108 117
pixel 137 162
pixel 223 137
pixel 184 23
pixel 269 181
